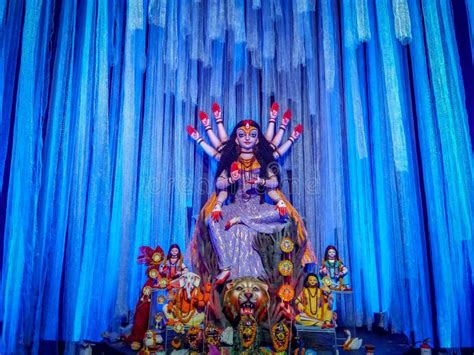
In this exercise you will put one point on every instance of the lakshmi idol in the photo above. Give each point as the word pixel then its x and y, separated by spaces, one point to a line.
pixel 247 199
pixel 173 266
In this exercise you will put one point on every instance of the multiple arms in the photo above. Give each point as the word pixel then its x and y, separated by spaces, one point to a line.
pixel 279 135
pixel 199 140
pixel 222 183
pixel 219 140
pixel 292 139
pixel 206 122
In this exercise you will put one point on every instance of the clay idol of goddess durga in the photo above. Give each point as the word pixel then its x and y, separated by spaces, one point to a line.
pixel 247 198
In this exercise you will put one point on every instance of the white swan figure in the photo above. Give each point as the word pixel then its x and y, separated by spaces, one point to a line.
pixel 351 343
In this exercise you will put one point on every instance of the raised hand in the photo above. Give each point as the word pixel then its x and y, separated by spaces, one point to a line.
pixel 232 222
pixel 204 118
pixel 284 122
pixel 207 148
pixel 193 133
pixel 297 132
pixel 292 139
pixel 270 132
pixel 216 110
pixel 218 141
pixel 286 118
pixel 216 213
pixel 281 207
pixel 274 110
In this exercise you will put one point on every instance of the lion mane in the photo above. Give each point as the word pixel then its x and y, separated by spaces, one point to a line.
pixel 245 296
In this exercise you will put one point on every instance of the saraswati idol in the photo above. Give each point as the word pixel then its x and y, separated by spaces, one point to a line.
pixel 247 200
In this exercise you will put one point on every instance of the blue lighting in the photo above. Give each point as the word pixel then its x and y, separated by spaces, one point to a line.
pixel 95 161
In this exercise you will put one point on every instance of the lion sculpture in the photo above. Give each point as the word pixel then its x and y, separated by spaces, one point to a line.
pixel 246 296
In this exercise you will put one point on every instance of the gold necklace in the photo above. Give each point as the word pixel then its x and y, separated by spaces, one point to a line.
pixel 313 312
pixel 246 164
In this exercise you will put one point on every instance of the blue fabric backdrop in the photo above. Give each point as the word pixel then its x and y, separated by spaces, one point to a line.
pixel 95 161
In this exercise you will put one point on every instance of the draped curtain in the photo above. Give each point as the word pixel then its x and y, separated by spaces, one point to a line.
pixel 95 162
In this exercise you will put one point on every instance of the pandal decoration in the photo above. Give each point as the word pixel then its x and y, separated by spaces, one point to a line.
pixel 146 293
pixel 194 338
pixel 152 258
pixel 287 245
pixel 285 267
pixel 176 343
pixel 178 328
pixel 212 335
pixel 157 257
pixel 286 292
pixel 280 336
pixel 247 331
pixel 153 273
pixel 152 340
pixel 163 283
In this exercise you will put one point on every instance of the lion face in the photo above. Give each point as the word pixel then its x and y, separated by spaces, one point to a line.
pixel 245 296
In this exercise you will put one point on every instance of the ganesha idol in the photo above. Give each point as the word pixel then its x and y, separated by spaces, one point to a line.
pixel 187 301
pixel 247 198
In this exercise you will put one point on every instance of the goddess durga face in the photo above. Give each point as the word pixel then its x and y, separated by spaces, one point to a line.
pixel 247 136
